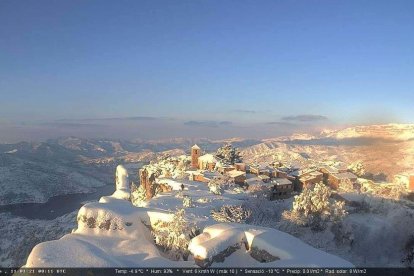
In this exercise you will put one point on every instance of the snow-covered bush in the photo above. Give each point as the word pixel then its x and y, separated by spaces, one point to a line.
pixel 231 213
pixel 203 200
pixel 215 189
pixel 260 191
pixel 389 191
pixel 238 190
pixel 229 154
pixel 138 195
pixel 343 234
pixel 347 186
pixel 219 183
pixel 187 202
pixel 174 236
pixel 338 211
pixel 265 212
pixel 314 208
pixel 357 168
pixel 378 205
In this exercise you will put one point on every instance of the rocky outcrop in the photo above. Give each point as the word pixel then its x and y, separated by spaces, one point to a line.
pixel 147 180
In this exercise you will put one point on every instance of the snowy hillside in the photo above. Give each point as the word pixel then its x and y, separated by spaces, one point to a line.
pixel 114 233
pixel 25 180
pixel 221 224
pixel 402 132
pixel 387 149
pixel 20 235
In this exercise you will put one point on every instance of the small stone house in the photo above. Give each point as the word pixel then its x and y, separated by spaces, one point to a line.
pixel 238 177
pixel 335 179
pixel 207 162
pixel 281 188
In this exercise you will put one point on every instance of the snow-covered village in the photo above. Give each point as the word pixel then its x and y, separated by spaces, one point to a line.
pixel 212 209
pixel 187 137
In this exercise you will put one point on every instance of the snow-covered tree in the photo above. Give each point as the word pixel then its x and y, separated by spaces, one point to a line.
pixel 260 191
pixel 174 236
pixel 138 195
pixel 347 186
pixel 357 168
pixel 229 154
pixel 187 202
pixel 314 208
pixel 218 184
pixel 390 191
pixel 265 212
pixel 231 213
pixel 215 188
pixel 168 166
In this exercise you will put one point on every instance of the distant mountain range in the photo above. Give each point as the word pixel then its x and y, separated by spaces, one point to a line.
pixel 398 132
pixel 34 172
pixel 393 132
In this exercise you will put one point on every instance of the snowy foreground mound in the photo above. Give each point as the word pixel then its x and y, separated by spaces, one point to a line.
pixel 114 233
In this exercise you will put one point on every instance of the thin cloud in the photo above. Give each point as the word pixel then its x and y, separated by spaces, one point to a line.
pixel 278 123
pixel 208 123
pixel 244 111
pixel 71 125
pixel 134 118
pixel 305 118
pixel 225 123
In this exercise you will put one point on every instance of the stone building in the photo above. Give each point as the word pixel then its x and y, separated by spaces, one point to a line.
pixel 281 188
pixel 207 162
pixel 238 177
pixel 334 180
pixel 195 154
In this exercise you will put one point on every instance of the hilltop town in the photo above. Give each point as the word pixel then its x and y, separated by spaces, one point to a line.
pixel 212 209
pixel 276 179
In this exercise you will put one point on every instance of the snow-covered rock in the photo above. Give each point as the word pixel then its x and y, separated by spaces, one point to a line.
pixel 290 251
pixel 123 189
pixel 110 233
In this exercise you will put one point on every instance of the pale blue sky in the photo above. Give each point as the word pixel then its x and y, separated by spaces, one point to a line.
pixel 243 62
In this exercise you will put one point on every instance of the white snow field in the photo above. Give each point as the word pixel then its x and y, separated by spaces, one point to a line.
pixel 127 242
pixel 291 251
pixel 115 233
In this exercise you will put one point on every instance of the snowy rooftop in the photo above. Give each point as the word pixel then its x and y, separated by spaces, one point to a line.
pixel 264 177
pixel 208 158
pixel 211 174
pixel 235 173
pixel 330 169
pixel 254 180
pixel 345 175
pixel 281 181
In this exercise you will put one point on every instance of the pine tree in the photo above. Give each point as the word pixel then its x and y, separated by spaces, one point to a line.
pixel 229 154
